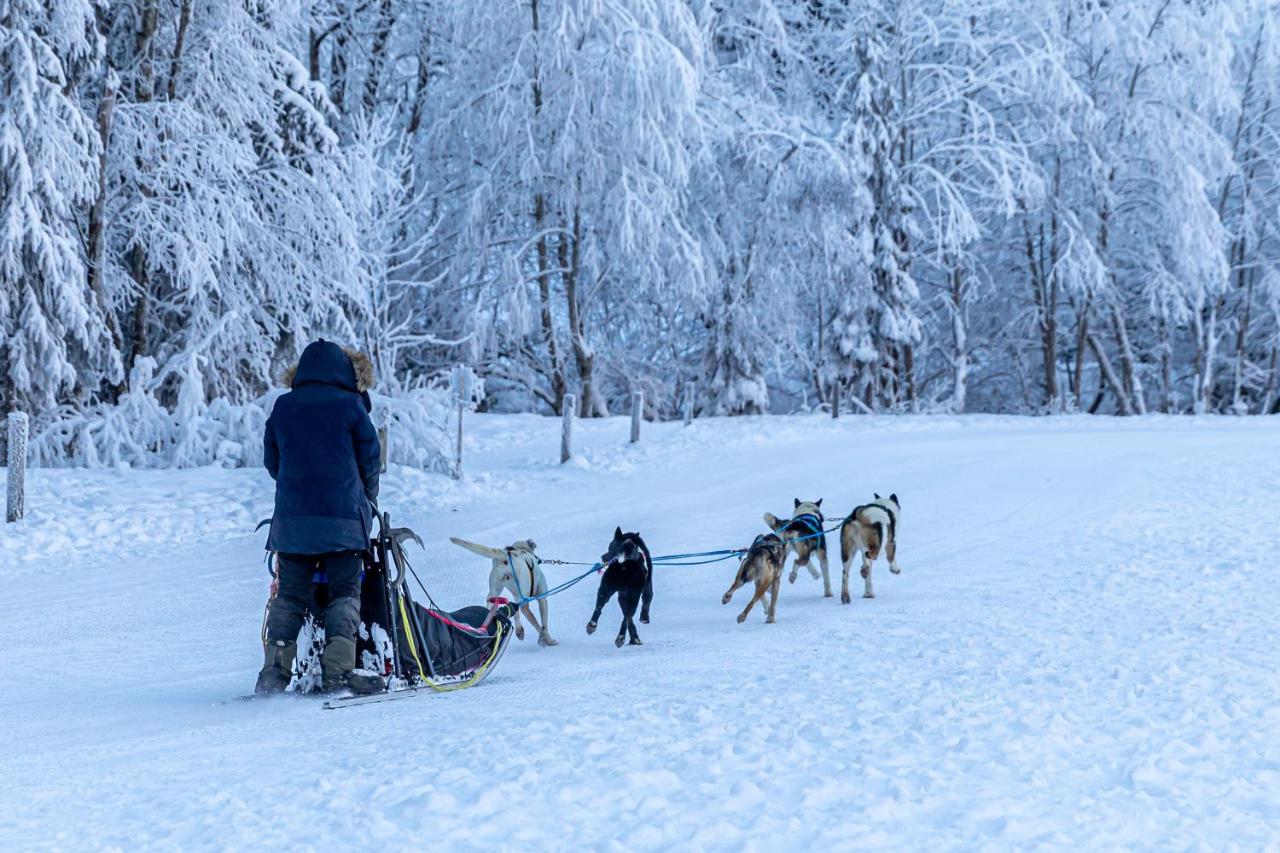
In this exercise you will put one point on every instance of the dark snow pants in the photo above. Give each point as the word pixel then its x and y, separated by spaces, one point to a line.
pixel 297 572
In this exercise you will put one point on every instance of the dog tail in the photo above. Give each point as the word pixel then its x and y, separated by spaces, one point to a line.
pixel 482 550
pixel 845 556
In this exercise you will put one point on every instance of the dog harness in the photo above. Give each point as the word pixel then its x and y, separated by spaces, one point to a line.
pixel 814 523
pixel 764 542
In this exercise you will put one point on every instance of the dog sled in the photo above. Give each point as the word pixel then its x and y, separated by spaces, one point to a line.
pixel 412 647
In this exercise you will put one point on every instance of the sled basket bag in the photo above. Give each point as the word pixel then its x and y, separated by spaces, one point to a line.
pixel 422 645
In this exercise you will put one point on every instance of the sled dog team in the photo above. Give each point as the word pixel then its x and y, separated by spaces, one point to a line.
pixel 627 567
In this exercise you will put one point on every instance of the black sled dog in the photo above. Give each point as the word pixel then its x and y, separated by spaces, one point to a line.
pixel 628 571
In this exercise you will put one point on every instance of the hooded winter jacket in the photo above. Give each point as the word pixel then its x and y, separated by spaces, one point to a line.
pixel 322 450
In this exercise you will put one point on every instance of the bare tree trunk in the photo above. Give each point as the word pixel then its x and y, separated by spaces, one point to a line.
pixel 144 93
pixel 1206 330
pixel 179 44
pixel 96 249
pixel 1045 293
pixel 1108 373
pixel 1245 280
pixel 338 59
pixel 959 344
pixel 1269 399
pixel 377 56
pixel 1082 340
pixel 908 373
pixel 1132 381
pixel 570 258
pixel 314 40
pixel 558 383
pixel 1166 367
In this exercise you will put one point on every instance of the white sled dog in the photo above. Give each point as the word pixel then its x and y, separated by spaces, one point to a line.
pixel 868 529
pixel 527 579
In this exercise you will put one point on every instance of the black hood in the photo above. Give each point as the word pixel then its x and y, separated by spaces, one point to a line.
pixel 324 362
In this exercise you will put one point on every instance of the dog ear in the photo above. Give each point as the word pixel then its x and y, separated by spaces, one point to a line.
pixel 797 503
pixel 894 497
pixel 818 502
pixel 617 533
pixel 877 494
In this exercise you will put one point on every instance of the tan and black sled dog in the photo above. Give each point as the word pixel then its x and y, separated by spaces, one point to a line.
pixel 528 579
pixel 761 565
pixel 804 536
pixel 869 528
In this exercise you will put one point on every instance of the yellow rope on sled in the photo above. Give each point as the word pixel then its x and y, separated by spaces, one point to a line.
pixel 476 676
pixel 408 632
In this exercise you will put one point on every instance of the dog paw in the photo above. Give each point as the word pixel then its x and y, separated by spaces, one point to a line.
pixel 742 617
pixel 791 578
pixel 724 600
pixel 644 620
pixel 844 598
pixel 520 633
pixel 868 595
pixel 769 620
pixel 618 642
pixel 636 642
pixel 895 570
pixel 591 628
pixel 547 641
pixel 863 572
pixel 827 594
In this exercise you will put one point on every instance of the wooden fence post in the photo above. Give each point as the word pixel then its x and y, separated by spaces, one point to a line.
pixel 17 462
pixel 637 412
pixel 688 405
pixel 566 430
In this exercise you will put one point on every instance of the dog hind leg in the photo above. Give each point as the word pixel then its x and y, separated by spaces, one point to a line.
pixel 759 594
pixel 628 600
pixel 737 584
pixel 773 597
pixel 808 563
pixel 544 637
pixel 847 561
pixel 848 549
pixel 891 551
pixel 534 622
pixel 647 598
pixel 826 573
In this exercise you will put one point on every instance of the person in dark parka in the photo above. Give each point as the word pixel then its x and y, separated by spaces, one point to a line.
pixel 322 450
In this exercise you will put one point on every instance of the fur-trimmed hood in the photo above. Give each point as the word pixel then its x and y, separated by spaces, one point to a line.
pixel 326 362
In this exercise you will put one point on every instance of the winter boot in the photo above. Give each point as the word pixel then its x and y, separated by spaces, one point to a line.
pixel 277 667
pixel 338 660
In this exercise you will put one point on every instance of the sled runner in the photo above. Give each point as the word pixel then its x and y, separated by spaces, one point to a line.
pixel 413 648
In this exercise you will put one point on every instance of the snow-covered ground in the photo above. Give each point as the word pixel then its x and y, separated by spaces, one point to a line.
pixel 1082 650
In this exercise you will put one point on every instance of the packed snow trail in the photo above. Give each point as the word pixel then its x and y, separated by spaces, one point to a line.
pixel 1081 650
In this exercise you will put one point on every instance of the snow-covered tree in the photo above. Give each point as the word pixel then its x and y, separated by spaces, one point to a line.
pixel 54 341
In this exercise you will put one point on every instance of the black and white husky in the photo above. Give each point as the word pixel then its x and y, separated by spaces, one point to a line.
pixel 868 529
pixel 803 534
pixel 628 571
